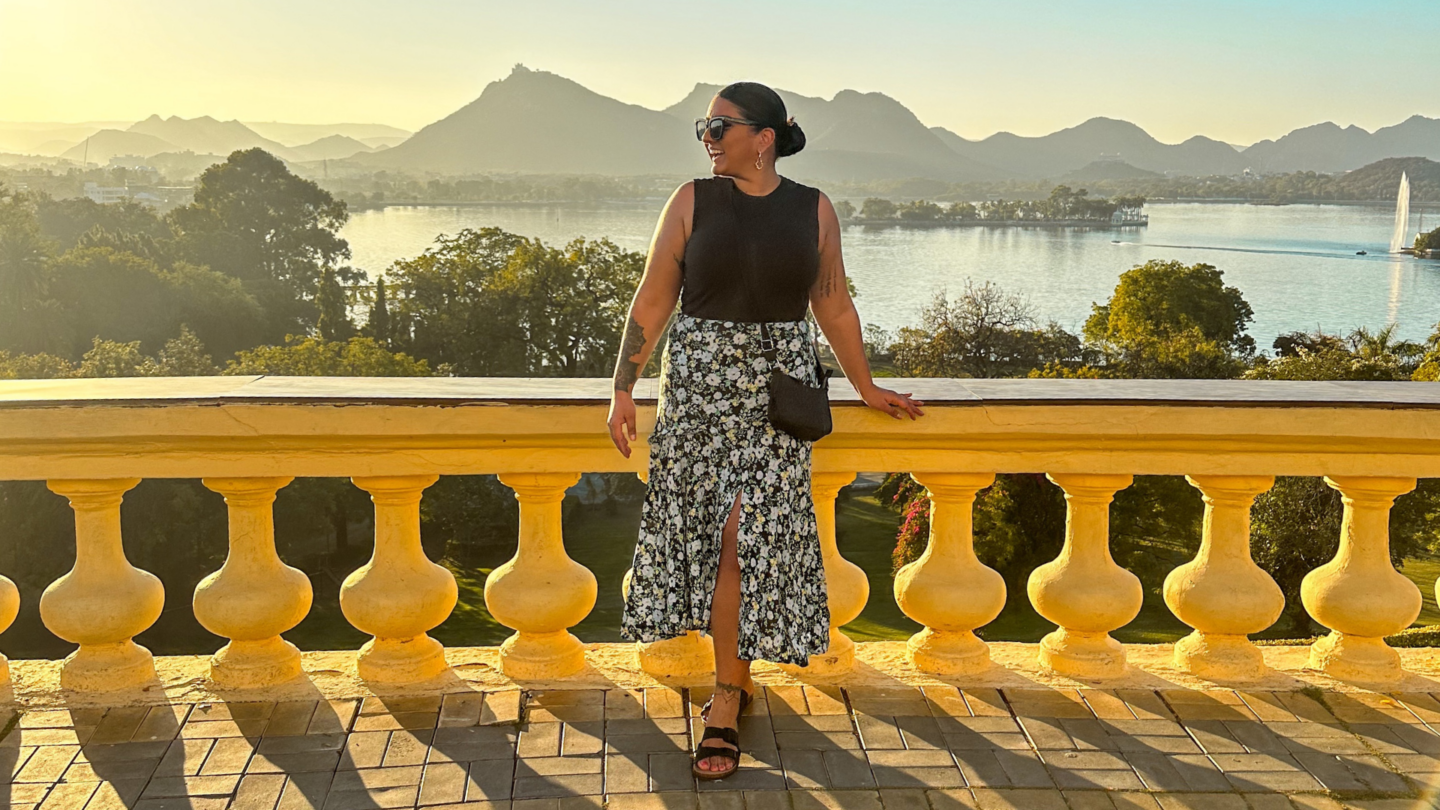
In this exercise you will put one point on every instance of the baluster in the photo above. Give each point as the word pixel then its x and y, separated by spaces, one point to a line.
pixel 9 609
pixel 400 595
pixel 1222 593
pixel 254 597
pixel 104 602
pixel 948 589
pixel 846 586
pixel 1083 590
pixel 1359 595
pixel 690 654
pixel 540 593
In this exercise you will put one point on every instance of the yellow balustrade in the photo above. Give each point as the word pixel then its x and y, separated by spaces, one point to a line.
pixel 9 609
pixel 1222 593
pixel 540 593
pixel 104 601
pixel 93 440
pixel 1083 590
pixel 948 589
pixel 254 597
pixel 846 586
pixel 400 595
pixel 1359 595
pixel 682 656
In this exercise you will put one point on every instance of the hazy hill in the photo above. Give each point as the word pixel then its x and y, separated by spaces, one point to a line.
pixel 48 138
pixel 1381 180
pixel 205 135
pixel 334 147
pixel 1074 148
pixel 1107 170
pixel 1329 148
pixel 108 143
pixel 856 137
pixel 300 134
pixel 534 121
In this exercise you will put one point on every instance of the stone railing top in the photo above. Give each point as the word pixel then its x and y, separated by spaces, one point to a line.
pixel 452 391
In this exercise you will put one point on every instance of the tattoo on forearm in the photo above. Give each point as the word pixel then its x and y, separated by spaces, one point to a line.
pixel 827 284
pixel 627 368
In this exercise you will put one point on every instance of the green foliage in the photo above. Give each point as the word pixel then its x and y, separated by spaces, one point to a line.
pixel 1363 355
pixel 333 320
pixel 983 332
pixel 316 357
pixel 255 221
pixel 1064 204
pixel 1170 320
pixel 920 211
pixel 1428 241
pixel 26 311
pixel 377 325
pixel 844 209
pixel 34 366
pixel 490 303
pixel 70 221
pixel 877 208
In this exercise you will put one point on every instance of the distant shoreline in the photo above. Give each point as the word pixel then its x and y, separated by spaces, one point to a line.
pixel 369 206
pixel 992 223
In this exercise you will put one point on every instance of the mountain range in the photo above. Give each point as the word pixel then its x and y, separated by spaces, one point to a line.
pixel 538 122
pixel 203 135
pixel 535 121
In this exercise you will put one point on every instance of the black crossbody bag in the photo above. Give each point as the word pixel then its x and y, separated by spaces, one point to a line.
pixel 796 407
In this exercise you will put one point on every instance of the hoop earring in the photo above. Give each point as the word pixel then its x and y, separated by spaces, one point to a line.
pixel 758 163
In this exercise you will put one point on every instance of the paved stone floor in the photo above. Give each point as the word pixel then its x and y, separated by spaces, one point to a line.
pixel 806 748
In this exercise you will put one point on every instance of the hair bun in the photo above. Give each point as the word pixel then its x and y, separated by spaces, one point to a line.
pixel 790 140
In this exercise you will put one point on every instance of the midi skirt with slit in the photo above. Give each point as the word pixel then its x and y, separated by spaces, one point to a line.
pixel 713 441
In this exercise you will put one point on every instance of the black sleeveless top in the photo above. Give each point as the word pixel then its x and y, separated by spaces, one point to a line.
pixel 781 231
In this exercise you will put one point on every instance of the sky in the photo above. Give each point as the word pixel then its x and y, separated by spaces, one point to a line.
pixel 1235 71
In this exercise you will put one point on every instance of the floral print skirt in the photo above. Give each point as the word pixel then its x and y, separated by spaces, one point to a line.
pixel 713 441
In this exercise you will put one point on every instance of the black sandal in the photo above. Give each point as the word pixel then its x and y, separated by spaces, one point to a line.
pixel 745 700
pixel 728 735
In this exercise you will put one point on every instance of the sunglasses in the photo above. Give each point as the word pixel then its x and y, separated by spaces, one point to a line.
pixel 716 126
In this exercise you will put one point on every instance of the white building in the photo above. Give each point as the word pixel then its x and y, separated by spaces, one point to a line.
pixel 106 195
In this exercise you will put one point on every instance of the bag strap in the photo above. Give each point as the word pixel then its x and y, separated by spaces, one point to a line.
pixel 748 271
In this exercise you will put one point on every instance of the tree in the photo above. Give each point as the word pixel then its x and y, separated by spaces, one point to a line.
pixel 1170 320
pixel 844 209
pixel 1362 355
pixel 486 302
pixel 877 208
pixel 1427 241
pixel 26 311
pixel 333 320
pixel 984 332
pixel 920 211
pixel 378 324
pixel 316 357
pixel 184 356
pixel 254 220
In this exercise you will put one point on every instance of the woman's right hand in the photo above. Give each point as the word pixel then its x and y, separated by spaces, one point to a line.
pixel 622 421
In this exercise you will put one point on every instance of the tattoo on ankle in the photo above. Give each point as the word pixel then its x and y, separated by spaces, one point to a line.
pixel 733 689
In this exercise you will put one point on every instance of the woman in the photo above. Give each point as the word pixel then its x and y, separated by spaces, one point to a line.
pixel 728 540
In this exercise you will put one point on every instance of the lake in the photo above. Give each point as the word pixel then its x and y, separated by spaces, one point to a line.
pixel 1295 264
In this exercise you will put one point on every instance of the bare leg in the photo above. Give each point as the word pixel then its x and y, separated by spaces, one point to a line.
pixel 732 673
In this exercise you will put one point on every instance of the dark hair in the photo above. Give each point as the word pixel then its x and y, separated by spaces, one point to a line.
pixel 760 103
